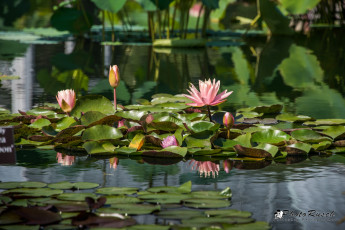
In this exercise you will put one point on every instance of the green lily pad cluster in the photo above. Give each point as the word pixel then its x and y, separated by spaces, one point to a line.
pixel 95 128
pixel 36 205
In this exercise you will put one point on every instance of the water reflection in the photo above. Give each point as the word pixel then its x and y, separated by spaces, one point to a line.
pixel 113 162
pixel 205 168
pixel 64 159
pixel 261 190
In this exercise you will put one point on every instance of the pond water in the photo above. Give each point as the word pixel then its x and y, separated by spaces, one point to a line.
pixel 259 71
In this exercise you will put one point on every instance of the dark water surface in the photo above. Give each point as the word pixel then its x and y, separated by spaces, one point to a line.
pixel 259 72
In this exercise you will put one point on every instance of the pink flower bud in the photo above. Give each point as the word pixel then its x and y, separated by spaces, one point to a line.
pixel 169 141
pixel 66 99
pixel 228 120
pixel 114 76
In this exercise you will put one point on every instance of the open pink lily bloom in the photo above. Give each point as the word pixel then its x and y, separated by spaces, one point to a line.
pixel 207 95
pixel 66 99
pixel 169 141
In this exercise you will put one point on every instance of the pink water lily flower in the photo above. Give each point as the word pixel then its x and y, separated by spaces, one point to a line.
pixel 169 141
pixel 66 99
pixel 207 95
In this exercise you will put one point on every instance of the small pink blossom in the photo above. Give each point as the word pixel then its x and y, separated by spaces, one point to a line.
pixel 228 120
pixel 207 95
pixel 169 141
pixel 121 123
pixel 66 99
pixel 114 76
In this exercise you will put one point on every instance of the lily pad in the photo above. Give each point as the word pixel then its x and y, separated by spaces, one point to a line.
pixel 293 118
pixel 308 135
pixel 40 123
pixel 101 132
pixel 34 192
pixel 130 209
pixel 169 152
pixel 258 225
pixel 335 132
pixel 75 196
pixel 211 221
pixel 101 148
pixel 270 136
pixel 68 185
pixel 117 190
pixel 321 146
pixel 90 117
pixel 262 151
pixel 206 203
pixel 92 103
pixel 228 212
pixel 325 122
pixel 298 149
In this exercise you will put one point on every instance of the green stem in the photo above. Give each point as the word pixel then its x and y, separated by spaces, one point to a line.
pixel 115 105
pixel 209 113
pixel 228 134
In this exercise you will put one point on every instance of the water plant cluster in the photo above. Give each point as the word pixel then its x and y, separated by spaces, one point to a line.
pixel 84 205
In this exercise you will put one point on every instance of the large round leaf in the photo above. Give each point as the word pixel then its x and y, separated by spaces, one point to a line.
pixel 101 132
pixel 270 136
pixel 91 116
pixel 93 103
pixel 308 135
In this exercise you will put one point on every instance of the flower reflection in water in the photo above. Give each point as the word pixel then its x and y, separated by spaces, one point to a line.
pixel 113 162
pixel 65 160
pixel 227 165
pixel 205 168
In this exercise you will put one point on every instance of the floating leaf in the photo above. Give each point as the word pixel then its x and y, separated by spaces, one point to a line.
pixel 137 142
pixel 65 123
pixel 335 132
pixel 95 147
pixel 206 203
pixel 36 216
pixel 211 221
pixel 40 123
pixel 171 151
pixel 257 152
pixel 68 185
pixel 293 118
pixel 132 114
pixel 308 135
pixel 130 209
pixel 117 190
pixel 91 116
pixel 92 103
pixel 34 192
pixel 199 140
pixel 325 122
pixel 321 146
pixel 75 196
pixel 298 148
pixel 270 136
pixel 200 126
pixel 101 132
pixel 228 212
